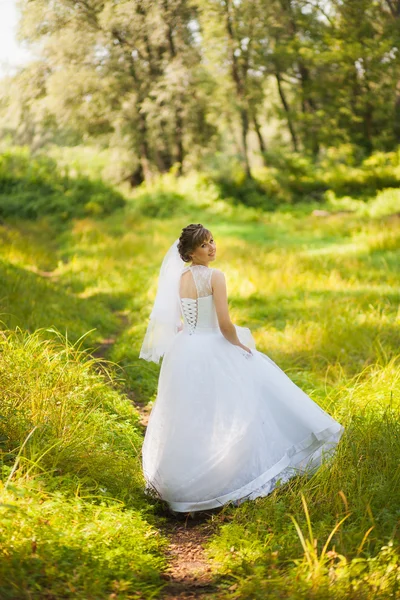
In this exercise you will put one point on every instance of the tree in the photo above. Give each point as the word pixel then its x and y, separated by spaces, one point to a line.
pixel 126 72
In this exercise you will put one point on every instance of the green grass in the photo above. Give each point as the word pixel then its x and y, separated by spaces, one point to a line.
pixel 62 545
pixel 74 519
pixel 360 484
pixel 321 296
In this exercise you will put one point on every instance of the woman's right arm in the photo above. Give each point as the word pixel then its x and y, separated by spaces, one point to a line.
pixel 226 326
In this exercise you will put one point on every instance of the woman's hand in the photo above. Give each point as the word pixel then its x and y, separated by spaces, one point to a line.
pixel 245 348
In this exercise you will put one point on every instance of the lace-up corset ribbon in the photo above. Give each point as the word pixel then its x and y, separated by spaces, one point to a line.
pixel 199 314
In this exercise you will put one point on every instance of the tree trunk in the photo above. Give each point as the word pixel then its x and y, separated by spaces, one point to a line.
pixel 144 153
pixel 287 111
pixel 240 91
pixel 396 124
pixel 368 128
pixel 309 105
pixel 394 7
pixel 307 102
pixel 179 140
pixel 179 124
pixel 261 141
pixel 368 119
pixel 245 129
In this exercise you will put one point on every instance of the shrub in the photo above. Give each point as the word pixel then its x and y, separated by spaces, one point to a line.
pixel 31 187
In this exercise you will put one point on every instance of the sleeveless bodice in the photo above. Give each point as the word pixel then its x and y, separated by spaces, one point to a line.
pixel 199 313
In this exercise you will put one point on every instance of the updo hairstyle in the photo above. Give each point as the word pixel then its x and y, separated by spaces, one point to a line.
pixel 191 238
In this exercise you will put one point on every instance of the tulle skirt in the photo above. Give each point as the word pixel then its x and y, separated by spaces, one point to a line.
pixel 227 426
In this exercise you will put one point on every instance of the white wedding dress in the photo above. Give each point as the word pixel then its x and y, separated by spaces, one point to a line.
pixel 226 426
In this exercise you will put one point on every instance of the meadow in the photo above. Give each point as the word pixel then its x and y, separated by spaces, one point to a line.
pixel 320 293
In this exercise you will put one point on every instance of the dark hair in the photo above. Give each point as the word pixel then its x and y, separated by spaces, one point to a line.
pixel 191 237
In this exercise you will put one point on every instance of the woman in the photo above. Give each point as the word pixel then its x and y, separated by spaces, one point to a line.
pixel 227 424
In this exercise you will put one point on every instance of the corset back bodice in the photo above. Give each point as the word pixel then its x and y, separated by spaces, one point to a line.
pixel 199 314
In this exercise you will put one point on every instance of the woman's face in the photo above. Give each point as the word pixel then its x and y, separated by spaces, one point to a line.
pixel 204 253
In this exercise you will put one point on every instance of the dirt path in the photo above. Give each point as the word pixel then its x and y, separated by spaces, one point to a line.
pixel 188 575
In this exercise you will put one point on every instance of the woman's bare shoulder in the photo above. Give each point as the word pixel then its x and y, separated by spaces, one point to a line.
pixel 217 276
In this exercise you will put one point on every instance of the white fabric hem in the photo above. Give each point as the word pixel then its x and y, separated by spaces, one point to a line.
pixel 312 443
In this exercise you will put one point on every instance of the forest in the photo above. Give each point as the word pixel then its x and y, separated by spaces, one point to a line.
pixel 185 84
pixel 276 124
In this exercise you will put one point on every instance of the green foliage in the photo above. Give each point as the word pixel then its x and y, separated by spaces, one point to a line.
pixel 160 204
pixel 31 187
pixel 343 171
pixel 80 425
pixel 291 178
pixel 260 74
pixel 50 305
pixel 386 203
pixel 73 488
pixel 250 192
pixel 194 196
pixel 321 297
pixel 74 547
pixel 358 485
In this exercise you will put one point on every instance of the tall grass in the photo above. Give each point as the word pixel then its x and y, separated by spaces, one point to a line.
pixel 333 534
pixel 55 544
pixel 321 296
pixel 73 513
pixel 78 424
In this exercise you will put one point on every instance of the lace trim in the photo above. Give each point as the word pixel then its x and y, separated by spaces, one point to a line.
pixel 202 279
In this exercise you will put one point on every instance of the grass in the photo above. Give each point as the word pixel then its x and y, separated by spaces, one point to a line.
pixel 321 296
pixel 289 529
pixel 104 551
pixel 74 519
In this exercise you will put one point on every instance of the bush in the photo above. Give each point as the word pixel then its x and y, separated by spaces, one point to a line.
pixel 31 187
pixel 292 178
pixel 160 204
pixel 242 190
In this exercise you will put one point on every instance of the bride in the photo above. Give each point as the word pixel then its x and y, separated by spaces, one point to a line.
pixel 227 424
